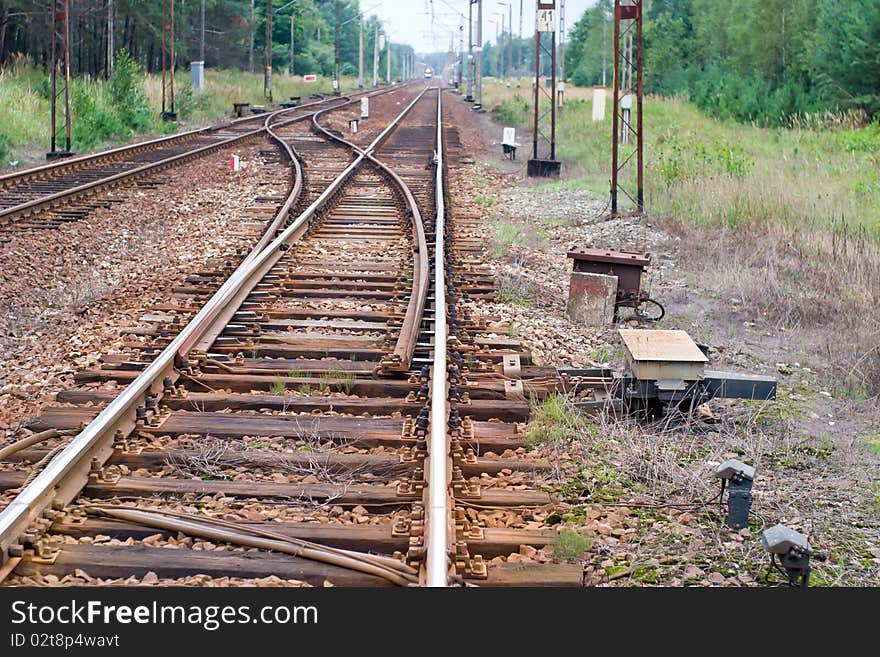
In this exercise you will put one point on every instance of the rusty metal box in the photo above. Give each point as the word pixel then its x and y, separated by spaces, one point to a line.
pixel 627 266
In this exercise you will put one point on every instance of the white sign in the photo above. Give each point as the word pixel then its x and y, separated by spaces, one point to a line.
pixel 509 137
pixel 381 42
pixel 310 78
pixel 353 126
pixel 560 87
pixel 599 104
pixel 546 20
pixel 335 85
pixel 235 163
pixel 365 108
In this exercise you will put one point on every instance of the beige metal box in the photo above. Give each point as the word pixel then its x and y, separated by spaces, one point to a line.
pixel 663 355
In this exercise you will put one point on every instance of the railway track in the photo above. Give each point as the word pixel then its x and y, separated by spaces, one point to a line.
pixel 68 190
pixel 326 412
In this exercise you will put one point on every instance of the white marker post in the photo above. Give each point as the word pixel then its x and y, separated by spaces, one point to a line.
pixel 235 163
pixel 598 103
pixel 365 108
pixel 508 142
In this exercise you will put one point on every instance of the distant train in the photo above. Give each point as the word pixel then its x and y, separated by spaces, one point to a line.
pixel 429 73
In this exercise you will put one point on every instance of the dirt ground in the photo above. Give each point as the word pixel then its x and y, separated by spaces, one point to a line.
pixel 643 494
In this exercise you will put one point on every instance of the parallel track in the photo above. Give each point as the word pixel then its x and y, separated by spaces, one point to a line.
pixel 26 196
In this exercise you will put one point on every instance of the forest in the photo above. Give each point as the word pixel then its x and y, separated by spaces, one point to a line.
pixel 234 34
pixel 763 61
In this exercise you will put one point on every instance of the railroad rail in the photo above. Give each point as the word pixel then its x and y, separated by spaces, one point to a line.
pixel 31 191
pixel 340 357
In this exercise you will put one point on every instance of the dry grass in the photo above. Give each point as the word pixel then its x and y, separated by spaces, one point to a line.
pixel 663 473
pixel 822 284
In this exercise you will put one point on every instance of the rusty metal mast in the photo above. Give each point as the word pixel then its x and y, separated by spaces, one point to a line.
pixel 168 112
pixel 267 66
pixel 544 130
pixel 628 38
pixel 60 60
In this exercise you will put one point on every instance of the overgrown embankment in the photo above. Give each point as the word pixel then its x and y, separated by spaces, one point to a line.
pixel 107 113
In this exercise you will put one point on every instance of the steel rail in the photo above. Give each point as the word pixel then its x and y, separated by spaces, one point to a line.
pixel 218 323
pixel 8 215
pixel 400 359
pixel 64 476
pixel 16 177
pixel 438 471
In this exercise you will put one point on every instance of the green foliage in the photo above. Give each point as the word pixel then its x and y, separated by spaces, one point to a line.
pixel 867 139
pixel 93 118
pixel 760 61
pixel 4 147
pixel 127 93
pixel 680 159
pixel 570 545
pixel 506 235
pixel 555 420
pixel 512 112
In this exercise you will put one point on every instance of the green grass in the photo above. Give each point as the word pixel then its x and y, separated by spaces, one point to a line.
pixel 555 419
pixel 101 122
pixel 570 545
pixel 506 236
pixel 721 173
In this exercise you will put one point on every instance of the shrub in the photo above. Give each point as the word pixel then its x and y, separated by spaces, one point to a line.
pixel 127 93
pixel 513 112
pixel 4 146
pixel 94 121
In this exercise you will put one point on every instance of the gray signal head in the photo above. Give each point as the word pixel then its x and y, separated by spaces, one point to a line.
pixel 780 540
pixel 731 467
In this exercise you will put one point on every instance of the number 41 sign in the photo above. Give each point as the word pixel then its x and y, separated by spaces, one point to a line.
pixel 546 16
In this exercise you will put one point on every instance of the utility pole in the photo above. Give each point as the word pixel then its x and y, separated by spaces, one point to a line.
pixel 336 54
pixel 168 113
pixel 627 27
pixel 479 104
pixel 111 44
pixel 604 49
pixel 561 90
pixel 520 64
pixel 460 55
pixel 292 14
pixel 470 56
pixel 251 49
pixel 361 55
pixel 267 65
pixel 60 60
pixel 388 60
pixel 202 44
pixel 376 57
pixel 509 6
